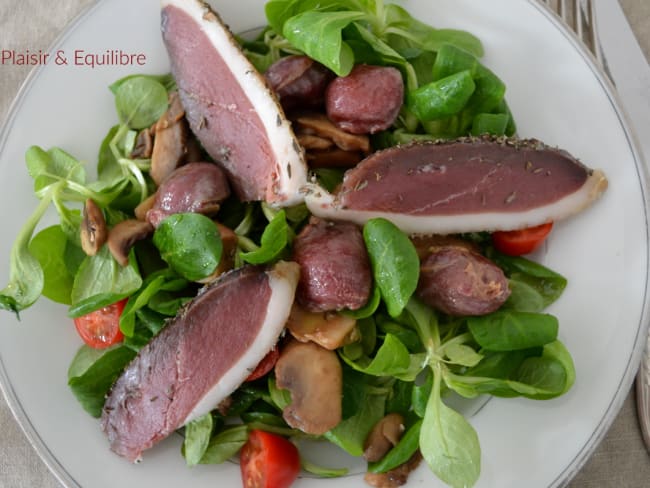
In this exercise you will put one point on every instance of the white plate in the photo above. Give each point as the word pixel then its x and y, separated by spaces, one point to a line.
pixel 556 94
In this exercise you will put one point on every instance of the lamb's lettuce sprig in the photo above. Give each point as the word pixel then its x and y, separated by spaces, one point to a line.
pixel 449 93
pixel 324 30
pixel 61 181
pixel 511 352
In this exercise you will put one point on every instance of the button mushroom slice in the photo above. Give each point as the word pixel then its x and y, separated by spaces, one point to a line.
pixel 143 145
pixel 140 211
pixel 334 158
pixel 320 125
pixel 383 437
pixel 170 141
pixel 194 152
pixel 124 235
pixel 230 108
pixel 395 477
pixel 314 377
pixel 93 228
pixel 310 142
pixel 466 185
pixel 330 330
pixel 174 113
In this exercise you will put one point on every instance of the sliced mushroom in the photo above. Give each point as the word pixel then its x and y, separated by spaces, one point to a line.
pixel 174 113
pixel 310 142
pixel 314 377
pixel 93 228
pixel 320 125
pixel 143 144
pixel 124 235
pixel 333 158
pixel 383 437
pixel 330 330
pixel 229 250
pixel 395 477
pixel 170 142
pixel 144 206
pixel 194 151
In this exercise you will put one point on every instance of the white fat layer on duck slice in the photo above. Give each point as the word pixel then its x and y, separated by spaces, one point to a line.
pixel 283 279
pixel 291 169
pixel 324 205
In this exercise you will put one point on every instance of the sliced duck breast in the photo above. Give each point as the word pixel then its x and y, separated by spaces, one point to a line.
pixel 229 106
pixel 200 357
pixel 467 185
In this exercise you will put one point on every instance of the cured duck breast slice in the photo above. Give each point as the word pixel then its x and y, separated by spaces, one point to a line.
pixel 229 106
pixel 467 185
pixel 200 357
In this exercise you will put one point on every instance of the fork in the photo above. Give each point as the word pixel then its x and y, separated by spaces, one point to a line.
pixel 580 17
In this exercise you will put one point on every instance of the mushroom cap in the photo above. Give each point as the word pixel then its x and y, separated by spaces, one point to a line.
pixel 314 377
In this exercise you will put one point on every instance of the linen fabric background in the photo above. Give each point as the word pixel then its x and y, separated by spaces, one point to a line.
pixel 621 460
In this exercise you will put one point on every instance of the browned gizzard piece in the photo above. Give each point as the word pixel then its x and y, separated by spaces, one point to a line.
pixel 366 101
pixel 299 81
pixel 334 266
pixel 459 281
pixel 194 187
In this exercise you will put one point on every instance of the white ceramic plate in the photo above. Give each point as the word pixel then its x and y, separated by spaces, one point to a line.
pixel 556 94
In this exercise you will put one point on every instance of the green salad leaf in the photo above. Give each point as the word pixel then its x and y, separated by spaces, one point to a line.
pixel 394 261
pixel 93 372
pixel 190 243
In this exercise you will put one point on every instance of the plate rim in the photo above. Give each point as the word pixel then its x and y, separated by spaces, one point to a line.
pixel 643 179
pixel 6 387
pixel 575 464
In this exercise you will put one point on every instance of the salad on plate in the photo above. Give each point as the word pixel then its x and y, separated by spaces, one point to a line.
pixel 311 233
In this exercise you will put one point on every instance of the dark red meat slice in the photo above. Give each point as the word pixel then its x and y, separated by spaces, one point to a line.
pixel 199 358
pixel 229 107
pixel 468 185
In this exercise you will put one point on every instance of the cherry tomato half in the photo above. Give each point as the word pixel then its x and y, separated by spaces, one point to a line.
pixel 101 328
pixel 265 365
pixel 268 461
pixel 524 241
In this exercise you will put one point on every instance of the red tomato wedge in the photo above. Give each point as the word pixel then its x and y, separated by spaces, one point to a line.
pixel 101 328
pixel 268 461
pixel 265 365
pixel 524 241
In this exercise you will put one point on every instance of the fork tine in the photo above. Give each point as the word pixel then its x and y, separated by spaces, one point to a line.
pixel 580 17
pixel 592 23
pixel 579 20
